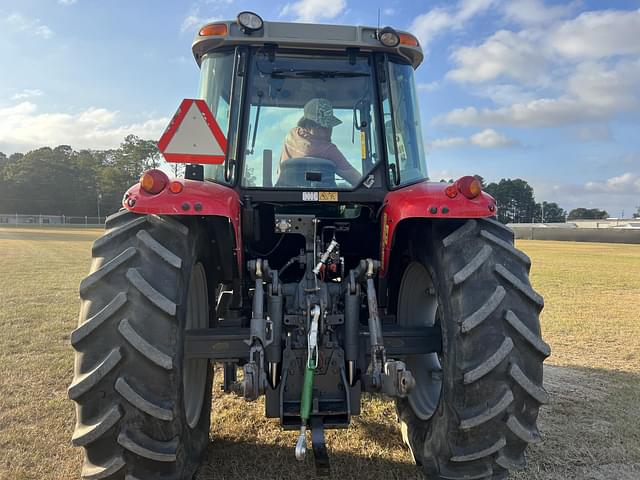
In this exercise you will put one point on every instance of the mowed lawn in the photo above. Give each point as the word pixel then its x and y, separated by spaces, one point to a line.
pixel 590 430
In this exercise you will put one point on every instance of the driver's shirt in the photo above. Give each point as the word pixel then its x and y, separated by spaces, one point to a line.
pixel 303 142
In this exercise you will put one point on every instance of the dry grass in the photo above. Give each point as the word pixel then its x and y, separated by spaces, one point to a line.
pixel 590 430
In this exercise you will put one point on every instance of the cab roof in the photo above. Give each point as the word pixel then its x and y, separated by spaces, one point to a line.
pixel 303 36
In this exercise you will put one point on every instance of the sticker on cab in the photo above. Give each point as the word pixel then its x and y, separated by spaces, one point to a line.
pixel 309 196
pixel 328 196
pixel 319 196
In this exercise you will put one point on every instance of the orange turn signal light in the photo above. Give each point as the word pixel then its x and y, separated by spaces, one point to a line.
pixel 469 186
pixel 215 29
pixel 408 40
pixel 153 181
pixel 176 187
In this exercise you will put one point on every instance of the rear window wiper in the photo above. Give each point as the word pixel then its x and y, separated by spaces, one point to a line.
pixel 293 73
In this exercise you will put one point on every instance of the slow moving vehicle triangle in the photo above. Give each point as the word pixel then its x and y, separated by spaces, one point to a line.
pixel 193 136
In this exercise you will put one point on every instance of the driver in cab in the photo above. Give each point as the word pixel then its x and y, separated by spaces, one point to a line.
pixel 312 138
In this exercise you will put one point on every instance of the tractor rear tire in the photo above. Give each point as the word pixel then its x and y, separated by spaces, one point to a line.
pixel 143 412
pixel 474 408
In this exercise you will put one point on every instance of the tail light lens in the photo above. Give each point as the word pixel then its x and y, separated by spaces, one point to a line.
pixel 469 186
pixel 153 181
pixel 451 191
pixel 176 186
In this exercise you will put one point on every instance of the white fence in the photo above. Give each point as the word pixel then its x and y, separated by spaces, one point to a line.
pixel 53 220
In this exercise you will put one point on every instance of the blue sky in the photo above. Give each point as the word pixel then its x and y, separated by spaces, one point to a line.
pixel 545 91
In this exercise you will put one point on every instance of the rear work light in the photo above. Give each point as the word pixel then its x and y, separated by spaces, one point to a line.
pixel 388 37
pixel 153 181
pixel 469 186
pixel 215 29
pixel 249 21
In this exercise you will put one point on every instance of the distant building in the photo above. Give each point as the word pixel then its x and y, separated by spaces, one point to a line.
pixel 609 223
pixel 542 225
pixel 601 223
pixel 19 219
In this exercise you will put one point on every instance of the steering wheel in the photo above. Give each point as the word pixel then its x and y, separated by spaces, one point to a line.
pixel 310 172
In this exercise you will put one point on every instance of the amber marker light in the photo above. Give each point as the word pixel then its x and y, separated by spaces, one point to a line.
pixel 153 181
pixel 469 186
pixel 176 187
pixel 215 29
pixel 409 40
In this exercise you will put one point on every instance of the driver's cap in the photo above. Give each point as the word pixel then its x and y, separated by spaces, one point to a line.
pixel 320 111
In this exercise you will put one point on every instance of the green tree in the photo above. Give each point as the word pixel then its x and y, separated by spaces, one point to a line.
pixel 587 214
pixel 515 200
pixel 48 181
pixel 549 212
pixel 63 181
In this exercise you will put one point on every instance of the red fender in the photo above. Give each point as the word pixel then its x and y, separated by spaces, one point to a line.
pixel 196 198
pixel 427 200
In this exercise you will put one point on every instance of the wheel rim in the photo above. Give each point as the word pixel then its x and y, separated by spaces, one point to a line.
pixel 194 373
pixel 417 307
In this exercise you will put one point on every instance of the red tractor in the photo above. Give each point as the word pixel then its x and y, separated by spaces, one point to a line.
pixel 307 247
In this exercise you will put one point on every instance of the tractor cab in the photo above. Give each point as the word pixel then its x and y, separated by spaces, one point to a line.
pixel 313 108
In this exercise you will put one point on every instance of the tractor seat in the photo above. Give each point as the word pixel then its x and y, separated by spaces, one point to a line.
pixel 311 172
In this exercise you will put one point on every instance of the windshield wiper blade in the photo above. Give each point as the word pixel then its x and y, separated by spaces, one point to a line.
pixel 293 73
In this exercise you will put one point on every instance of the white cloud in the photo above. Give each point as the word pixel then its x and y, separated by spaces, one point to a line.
pixel 506 54
pixel 574 195
pixel 310 11
pixel 19 23
pixel 487 138
pixel 438 20
pixel 66 3
pixel 22 127
pixel 27 93
pixel 610 88
pixel 449 142
pixel 505 94
pixel 598 34
pixel 428 87
pixel 528 55
pixel 195 20
pixel 531 12
pixel 625 184
pixel 468 9
pixel 597 132
pixel 545 112
pixel 594 92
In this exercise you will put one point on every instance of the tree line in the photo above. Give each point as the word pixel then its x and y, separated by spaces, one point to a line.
pixel 64 181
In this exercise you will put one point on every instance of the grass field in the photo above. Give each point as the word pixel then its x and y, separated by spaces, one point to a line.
pixel 590 430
